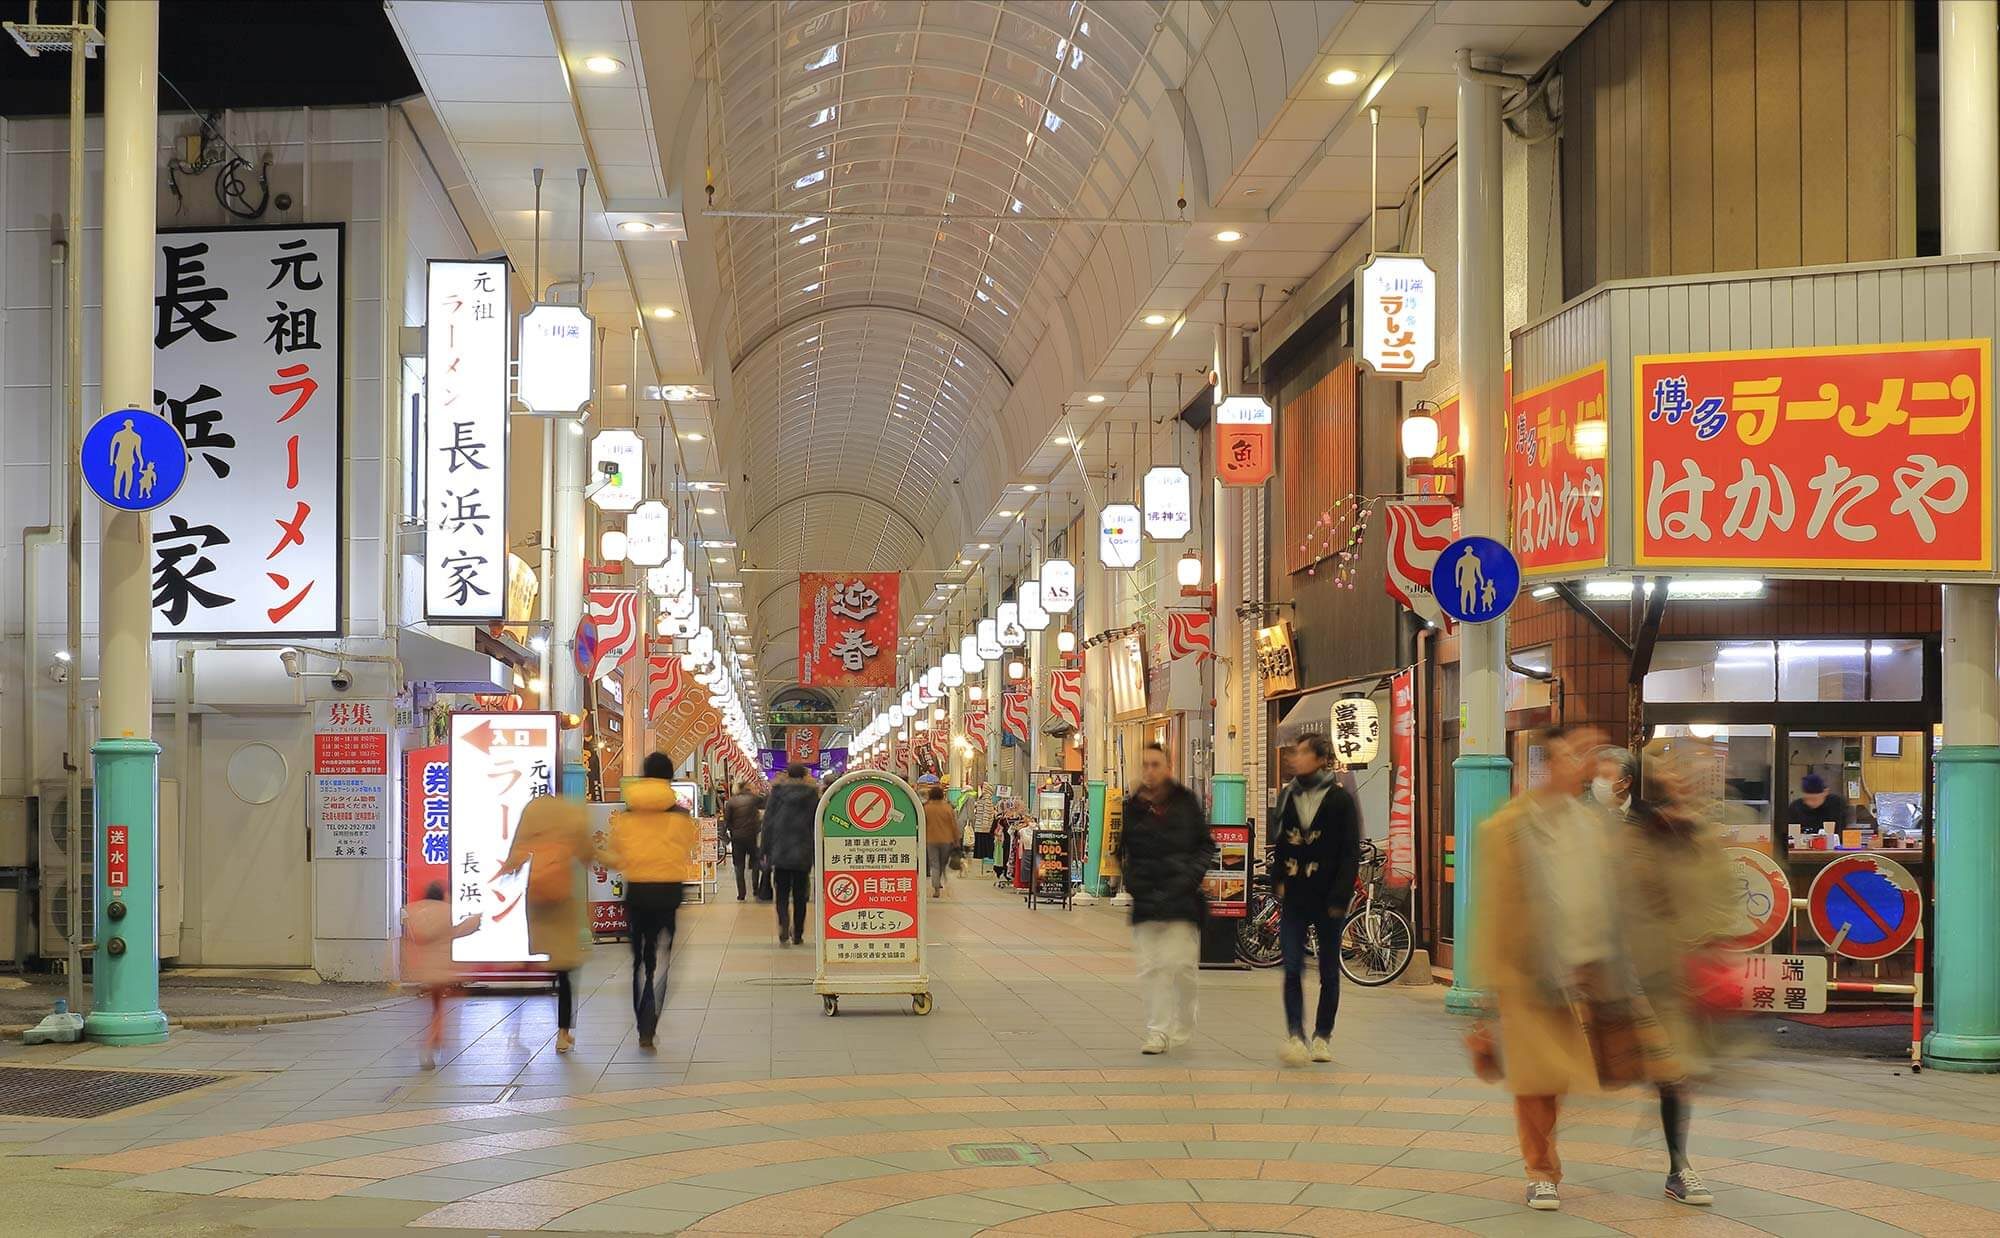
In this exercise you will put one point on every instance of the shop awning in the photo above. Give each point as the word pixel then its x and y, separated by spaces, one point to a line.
pixel 449 667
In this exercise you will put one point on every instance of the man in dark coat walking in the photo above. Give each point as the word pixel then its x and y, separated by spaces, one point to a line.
pixel 790 814
pixel 1165 851
pixel 742 815
pixel 1319 856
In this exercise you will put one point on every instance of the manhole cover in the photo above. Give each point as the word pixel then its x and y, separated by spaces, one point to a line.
pixel 45 1092
pixel 998 1154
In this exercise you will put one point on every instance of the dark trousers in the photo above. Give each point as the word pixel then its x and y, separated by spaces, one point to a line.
pixel 742 854
pixel 565 1002
pixel 650 910
pixel 792 899
pixel 1292 926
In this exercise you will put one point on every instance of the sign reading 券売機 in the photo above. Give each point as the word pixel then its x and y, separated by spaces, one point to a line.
pixel 1868 457
pixel 847 629
pixel 871 872
pixel 1556 441
pixel 247 364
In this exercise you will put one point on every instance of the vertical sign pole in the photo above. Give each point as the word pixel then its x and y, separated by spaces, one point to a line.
pixel 125 983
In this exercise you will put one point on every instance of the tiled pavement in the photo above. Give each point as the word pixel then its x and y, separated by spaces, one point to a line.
pixel 760 1116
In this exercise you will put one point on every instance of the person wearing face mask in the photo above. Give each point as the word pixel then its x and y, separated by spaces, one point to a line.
pixel 1612 787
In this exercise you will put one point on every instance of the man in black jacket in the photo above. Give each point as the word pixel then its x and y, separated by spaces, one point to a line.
pixel 790 817
pixel 1318 856
pixel 742 814
pixel 1165 851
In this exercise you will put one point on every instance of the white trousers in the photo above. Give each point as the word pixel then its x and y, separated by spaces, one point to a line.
pixel 1169 953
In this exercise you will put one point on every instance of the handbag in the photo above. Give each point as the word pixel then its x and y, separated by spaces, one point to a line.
pixel 1484 1049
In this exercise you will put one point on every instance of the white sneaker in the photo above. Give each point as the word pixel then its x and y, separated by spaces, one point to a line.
pixel 1542 1197
pixel 1155 1042
pixel 1178 1039
pixel 1322 1049
pixel 1293 1051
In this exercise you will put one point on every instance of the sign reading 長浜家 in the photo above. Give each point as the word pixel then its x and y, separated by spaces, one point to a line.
pixel 465 442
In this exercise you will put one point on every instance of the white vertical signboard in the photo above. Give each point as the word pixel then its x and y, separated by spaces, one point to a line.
pixel 1397 294
pixel 1169 504
pixel 617 470
pixel 558 351
pixel 248 339
pixel 1118 536
pixel 1058 586
pixel 499 761
pixel 465 442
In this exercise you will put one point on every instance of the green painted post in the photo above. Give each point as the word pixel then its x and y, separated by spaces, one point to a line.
pixel 125 970
pixel 1481 783
pixel 1227 792
pixel 1094 807
pixel 1967 985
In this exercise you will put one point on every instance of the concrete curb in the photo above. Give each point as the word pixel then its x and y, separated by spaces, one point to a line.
pixel 213 1022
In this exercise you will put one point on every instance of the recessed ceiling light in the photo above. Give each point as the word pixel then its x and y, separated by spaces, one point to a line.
pixel 635 225
pixel 693 436
pixel 1156 320
pixel 1062 440
pixel 663 311
pixel 1229 236
pixel 705 511
pixel 1003 513
pixel 1093 399
pixel 602 64
pixel 1342 77
pixel 1031 488
pixel 986 545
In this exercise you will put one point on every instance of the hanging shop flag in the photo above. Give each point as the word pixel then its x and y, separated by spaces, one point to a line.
pixel 613 614
pixel 1277 659
pixel 1127 656
pixel 1007 616
pixel 1357 730
pixel 1402 863
pixel 499 762
pixel 1014 717
pixel 1246 448
pixel 666 681
pixel 617 470
pixel 248 346
pixel 1556 471
pixel 1118 536
pixel 465 442
pixel 1866 457
pixel 847 629
pixel 1397 294
pixel 691 718
pixel 975 728
pixel 1066 696
pixel 802 745
pixel 1058 586
pixel 1190 633
pixel 1418 530
pixel 649 535
pixel 1169 504
pixel 558 346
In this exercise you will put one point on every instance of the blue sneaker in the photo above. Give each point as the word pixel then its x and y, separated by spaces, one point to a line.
pixel 1542 1197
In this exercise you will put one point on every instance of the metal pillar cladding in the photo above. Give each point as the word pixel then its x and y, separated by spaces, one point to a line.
pixel 1482 773
pixel 1092 618
pixel 1967 1029
pixel 125 976
pixel 569 694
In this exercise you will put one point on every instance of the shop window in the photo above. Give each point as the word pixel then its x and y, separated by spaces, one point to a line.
pixel 1710 671
pixel 1730 767
pixel 1526 691
pixel 1823 670
pixel 1895 670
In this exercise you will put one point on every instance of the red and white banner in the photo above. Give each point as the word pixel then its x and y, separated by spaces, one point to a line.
pixel 1418 530
pixel 614 616
pixel 975 728
pixel 1066 696
pixel 1402 863
pixel 847 629
pixel 802 745
pixel 1190 632
pixel 1014 713
pixel 666 682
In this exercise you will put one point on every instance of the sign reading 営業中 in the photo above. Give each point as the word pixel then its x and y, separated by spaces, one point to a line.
pixel 1357 730
pixel 248 342
pixel 847 629
pixel 1875 457
pixel 350 782
pixel 1556 471
pixel 465 442
pixel 499 762
pixel 133 459
pixel 1397 296
pixel 1475 580
pixel 871 873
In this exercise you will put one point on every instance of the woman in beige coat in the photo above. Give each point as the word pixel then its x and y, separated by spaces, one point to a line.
pixel 553 843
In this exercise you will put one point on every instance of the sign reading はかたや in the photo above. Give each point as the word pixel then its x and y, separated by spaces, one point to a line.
pixel 248 366
pixel 1557 474
pixel 847 629
pixel 465 442
pixel 1874 457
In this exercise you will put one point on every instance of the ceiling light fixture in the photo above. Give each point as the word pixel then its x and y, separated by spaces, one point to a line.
pixel 603 64
pixel 1229 236
pixel 635 225
pixel 1155 320
pixel 693 436
pixel 663 311
pixel 1093 399
pixel 1342 77
pixel 705 511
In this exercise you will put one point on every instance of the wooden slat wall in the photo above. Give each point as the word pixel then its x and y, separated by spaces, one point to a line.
pixel 1725 135
pixel 1317 445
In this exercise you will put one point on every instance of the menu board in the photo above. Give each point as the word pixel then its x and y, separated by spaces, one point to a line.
pixel 1228 883
pixel 1051 874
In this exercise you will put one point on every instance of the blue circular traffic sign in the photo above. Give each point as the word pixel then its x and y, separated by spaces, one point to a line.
pixel 1475 580
pixel 133 459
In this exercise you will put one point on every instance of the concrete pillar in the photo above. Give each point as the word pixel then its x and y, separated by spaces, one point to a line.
pixel 125 980
pixel 1092 617
pixel 1967 1035
pixel 565 586
pixel 1482 774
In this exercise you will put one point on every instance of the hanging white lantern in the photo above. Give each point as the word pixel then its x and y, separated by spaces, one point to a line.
pixel 1357 730
pixel 611 545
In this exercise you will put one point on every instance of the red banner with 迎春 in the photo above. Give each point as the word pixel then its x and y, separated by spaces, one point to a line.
pixel 1871 457
pixel 1402 861
pixel 802 745
pixel 1556 472
pixel 847 629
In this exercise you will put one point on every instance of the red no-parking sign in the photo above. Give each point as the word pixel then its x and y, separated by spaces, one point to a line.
pixel 1865 906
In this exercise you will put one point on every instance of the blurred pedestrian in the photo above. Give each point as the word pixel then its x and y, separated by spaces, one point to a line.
pixel 1675 898
pixel 742 816
pixel 790 816
pixel 1318 858
pixel 1165 852
pixel 1544 948
pixel 940 837
pixel 553 843
pixel 652 846
pixel 1817 808
pixel 1617 776
pixel 427 936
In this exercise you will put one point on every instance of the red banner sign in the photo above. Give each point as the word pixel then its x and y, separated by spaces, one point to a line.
pixel 117 856
pixel 1190 633
pixel 847 629
pixel 1556 470
pixel 426 820
pixel 1014 715
pixel 975 728
pixel 1402 864
pixel 1246 443
pixel 1066 695
pixel 802 745
pixel 1860 457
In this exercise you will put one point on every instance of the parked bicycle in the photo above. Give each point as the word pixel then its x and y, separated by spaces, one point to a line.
pixel 1376 943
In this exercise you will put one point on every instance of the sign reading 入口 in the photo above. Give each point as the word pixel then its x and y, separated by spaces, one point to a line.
pixel 499 761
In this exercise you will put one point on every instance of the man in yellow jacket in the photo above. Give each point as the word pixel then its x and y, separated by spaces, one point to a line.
pixel 652 846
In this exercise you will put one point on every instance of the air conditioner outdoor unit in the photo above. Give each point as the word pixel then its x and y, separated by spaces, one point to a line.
pixel 51 815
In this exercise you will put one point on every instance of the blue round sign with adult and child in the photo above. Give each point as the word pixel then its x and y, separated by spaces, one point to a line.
pixel 133 459
pixel 1475 580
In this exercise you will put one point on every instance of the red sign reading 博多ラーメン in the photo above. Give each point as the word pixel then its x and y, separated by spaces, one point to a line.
pixel 1557 474
pixel 1866 457
pixel 847 629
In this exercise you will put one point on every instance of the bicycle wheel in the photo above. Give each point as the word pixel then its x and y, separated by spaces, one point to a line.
pixel 1376 947
pixel 1257 940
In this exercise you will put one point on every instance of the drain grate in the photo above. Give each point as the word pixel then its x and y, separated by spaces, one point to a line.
pixel 981 1154
pixel 45 1092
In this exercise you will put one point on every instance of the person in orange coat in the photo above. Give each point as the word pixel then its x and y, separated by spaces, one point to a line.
pixel 940 837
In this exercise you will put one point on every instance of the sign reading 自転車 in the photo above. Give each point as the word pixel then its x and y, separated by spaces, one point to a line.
pixel 847 629
pixel 1875 457
pixel 1556 472
pixel 248 344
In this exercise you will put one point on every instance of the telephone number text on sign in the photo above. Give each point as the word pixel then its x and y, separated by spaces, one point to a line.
pixel 1872 456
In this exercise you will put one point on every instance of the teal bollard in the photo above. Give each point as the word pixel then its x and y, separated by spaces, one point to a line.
pixel 125 968
pixel 1481 784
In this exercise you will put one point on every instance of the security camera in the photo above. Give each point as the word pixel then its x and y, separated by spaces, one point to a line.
pixel 289 659
pixel 342 681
